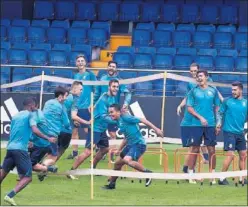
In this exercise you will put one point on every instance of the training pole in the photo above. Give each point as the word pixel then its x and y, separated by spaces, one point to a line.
pixel 41 88
pixel 92 146
pixel 162 116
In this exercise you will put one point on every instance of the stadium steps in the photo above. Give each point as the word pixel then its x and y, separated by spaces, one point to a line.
pixel 120 40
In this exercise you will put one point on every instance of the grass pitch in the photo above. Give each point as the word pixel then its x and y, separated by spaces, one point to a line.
pixel 58 190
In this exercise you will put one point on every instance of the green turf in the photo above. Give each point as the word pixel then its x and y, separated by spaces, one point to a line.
pixel 61 191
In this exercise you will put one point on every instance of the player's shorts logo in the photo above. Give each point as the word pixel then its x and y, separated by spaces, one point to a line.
pixel 230 145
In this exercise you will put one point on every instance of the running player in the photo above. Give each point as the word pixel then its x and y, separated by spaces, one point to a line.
pixel 133 146
pixel 203 103
pixel 232 116
pixel 84 99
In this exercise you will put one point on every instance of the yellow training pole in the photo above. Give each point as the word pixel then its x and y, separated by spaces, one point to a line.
pixel 41 88
pixel 162 116
pixel 92 146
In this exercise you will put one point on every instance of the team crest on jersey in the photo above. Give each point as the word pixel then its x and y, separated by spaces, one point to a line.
pixel 210 93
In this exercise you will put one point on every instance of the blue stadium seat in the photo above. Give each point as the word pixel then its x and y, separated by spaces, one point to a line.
pixel 167 51
pixel 241 64
pixel 243 12
pixel 186 51
pixel 5 22
pixel 64 73
pixel 214 77
pixel 240 40
pixel 4 56
pixel 142 61
pixel 182 62
pixel 222 40
pixel 170 87
pixel 26 71
pixel 243 53
pixel 56 35
pixel 207 52
pixel 85 49
pixel 223 63
pixel 181 88
pixel 44 23
pixel 65 10
pixel 146 26
pixel 147 50
pixel 42 46
pixel 162 61
pixel 170 13
pixel 243 28
pixel 196 2
pixel 82 24
pixel 43 10
pixel 17 34
pixel 216 2
pixel 127 74
pixel 150 12
pixel 57 58
pixel 38 71
pixel 62 47
pixel 181 39
pixel 21 46
pixel 166 27
pixel 18 77
pixel 202 39
pixel 232 2
pixel 225 92
pixel 243 79
pixel 227 78
pixel 177 2
pixel 5 71
pixel 86 11
pixel 5 78
pixel 206 10
pixel 226 28
pixel 228 52
pixel 5 45
pixel 37 57
pixel 162 38
pixel 143 88
pixel 124 60
pixel 205 62
pixel 20 22
pixel 190 13
pixel 228 14
pixel 126 49
pixel 141 38
pixel 186 27
pixel 58 23
pixel 129 11
pixel 108 11
pixel 206 28
pixel 97 37
pixel 17 56
pixel 36 35
pixel 3 33
pixel 102 25
pixel 77 35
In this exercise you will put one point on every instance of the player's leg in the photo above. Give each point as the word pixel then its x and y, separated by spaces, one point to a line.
pixel 112 129
pixel 75 136
pixel 185 136
pixel 241 148
pixel 8 164
pixel 204 151
pixel 63 143
pixel 52 156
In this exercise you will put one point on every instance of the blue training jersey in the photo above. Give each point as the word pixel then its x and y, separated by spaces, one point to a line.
pixel 129 127
pixel 233 114
pixel 38 119
pixel 84 99
pixel 56 116
pixel 104 88
pixel 20 131
pixel 204 102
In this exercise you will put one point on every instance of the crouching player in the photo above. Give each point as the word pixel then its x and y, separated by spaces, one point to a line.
pixel 133 146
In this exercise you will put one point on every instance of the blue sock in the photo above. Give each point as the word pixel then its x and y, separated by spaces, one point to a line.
pixel 50 168
pixel 74 153
pixel 205 155
pixel 185 169
pixel 11 194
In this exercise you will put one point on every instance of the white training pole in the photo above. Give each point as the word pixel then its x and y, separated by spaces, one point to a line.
pixel 92 145
pixel 162 115
pixel 41 88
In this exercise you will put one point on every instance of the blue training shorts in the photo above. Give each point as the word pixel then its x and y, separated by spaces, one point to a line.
pixel 100 140
pixel 112 127
pixel 234 142
pixel 135 151
pixel 83 114
pixel 37 154
pixel 19 159
pixel 185 135
pixel 197 134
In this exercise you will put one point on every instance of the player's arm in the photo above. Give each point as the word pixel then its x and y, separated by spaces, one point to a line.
pixel 65 119
pixel 97 94
pixel 220 115
pixel 151 125
pixel 127 96
pixel 122 145
pixel 180 106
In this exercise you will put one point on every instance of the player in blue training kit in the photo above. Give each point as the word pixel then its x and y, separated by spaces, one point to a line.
pixel 203 103
pixel 17 150
pixel 232 116
pixel 101 121
pixel 133 146
pixel 84 99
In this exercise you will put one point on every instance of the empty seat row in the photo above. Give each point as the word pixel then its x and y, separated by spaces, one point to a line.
pixel 94 36
pixel 180 62
pixel 134 11
pixel 198 39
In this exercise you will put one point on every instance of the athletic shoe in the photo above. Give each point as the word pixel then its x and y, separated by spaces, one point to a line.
pixel 192 181
pixel 53 169
pixel 70 157
pixel 41 176
pixel 224 182
pixel 109 187
pixel 148 180
pixel 10 201
pixel 72 177
pixel 245 182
